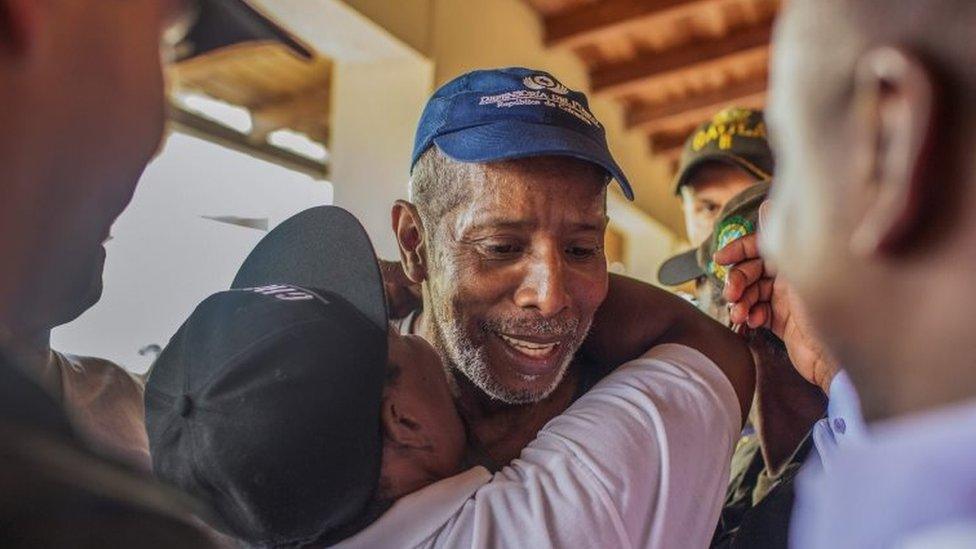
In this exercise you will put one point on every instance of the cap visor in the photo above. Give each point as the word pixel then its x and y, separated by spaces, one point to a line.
pixel 509 139
pixel 680 269
pixel 724 158
pixel 325 248
pixel 222 23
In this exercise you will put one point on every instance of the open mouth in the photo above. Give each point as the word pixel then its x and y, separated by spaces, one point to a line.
pixel 532 349
pixel 531 356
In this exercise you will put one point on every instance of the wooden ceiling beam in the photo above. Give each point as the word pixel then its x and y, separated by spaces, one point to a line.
pixel 208 130
pixel 694 117
pixel 303 111
pixel 645 70
pixel 669 144
pixel 590 22
pixel 651 117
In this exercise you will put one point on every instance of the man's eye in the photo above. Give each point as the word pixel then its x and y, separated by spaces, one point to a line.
pixel 582 252
pixel 502 250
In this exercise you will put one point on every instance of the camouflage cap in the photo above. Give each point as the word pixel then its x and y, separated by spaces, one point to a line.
pixel 739 217
pixel 734 136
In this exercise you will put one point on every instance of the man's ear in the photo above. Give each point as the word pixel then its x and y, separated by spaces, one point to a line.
pixel 18 25
pixel 409 229
pixel 403 430
pixel 896 97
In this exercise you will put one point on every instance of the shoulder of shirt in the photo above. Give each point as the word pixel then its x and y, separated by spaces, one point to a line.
pixel 677 361
pixel 83 366
pixel 952 534
pixel 687 359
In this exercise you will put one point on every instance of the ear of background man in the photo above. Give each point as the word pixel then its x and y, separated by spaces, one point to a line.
pixel 898 95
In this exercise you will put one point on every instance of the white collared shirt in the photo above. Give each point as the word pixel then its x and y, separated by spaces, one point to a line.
pixel 641 460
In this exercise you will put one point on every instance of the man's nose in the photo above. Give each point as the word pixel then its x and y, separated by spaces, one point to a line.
pixel 544 287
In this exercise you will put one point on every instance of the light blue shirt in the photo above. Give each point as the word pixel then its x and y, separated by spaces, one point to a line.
pixel 910 483
pixel 842 428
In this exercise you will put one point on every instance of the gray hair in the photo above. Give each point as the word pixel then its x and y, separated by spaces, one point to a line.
pixel 439 185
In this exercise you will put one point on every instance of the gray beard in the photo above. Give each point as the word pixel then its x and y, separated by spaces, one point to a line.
pixel 463 355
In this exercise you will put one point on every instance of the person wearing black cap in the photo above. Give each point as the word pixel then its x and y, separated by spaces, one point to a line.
pixel 504 233
pixel 721 158
pixel 300 417
pixel 276 403
pixel 760 493
pixel 82 92
pixel 722 161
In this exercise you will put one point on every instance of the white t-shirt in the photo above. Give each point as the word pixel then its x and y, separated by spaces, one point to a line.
pixel 641 460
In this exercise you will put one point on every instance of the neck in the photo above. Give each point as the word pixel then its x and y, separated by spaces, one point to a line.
pixel 33 354
pixel 918 357
pixel 27 350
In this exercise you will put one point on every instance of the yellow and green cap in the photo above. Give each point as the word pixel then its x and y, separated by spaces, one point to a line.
pixel 735 136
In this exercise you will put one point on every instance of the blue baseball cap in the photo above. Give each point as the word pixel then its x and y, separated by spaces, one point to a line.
pixel 501 114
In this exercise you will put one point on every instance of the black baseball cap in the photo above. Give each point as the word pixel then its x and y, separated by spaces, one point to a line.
pixel 734 136
pixel 215 24
pixel 502 114
pixel 266 402
pixel 739 217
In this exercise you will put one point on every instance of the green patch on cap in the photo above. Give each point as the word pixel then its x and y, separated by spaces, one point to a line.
pixel 730 229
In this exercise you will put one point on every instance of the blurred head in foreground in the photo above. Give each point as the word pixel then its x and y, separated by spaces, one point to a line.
pixel 873 222
pixel 81 84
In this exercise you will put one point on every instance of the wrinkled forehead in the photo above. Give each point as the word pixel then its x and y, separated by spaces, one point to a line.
pixel 534 193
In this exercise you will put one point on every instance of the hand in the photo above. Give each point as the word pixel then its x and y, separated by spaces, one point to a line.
pixel 760 299
pixel 402 294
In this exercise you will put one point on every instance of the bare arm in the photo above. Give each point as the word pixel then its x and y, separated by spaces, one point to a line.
pixel 637 316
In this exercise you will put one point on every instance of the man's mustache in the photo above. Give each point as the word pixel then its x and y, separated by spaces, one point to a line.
pixel 537 326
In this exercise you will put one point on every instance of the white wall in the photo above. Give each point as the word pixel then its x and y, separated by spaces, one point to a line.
pixel 376 109
pixel 380 86
pixel 164 258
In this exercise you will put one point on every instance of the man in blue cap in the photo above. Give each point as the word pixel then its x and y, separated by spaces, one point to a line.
pixel 504 233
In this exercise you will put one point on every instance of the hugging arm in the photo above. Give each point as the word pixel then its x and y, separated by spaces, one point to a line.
pixel 637 316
